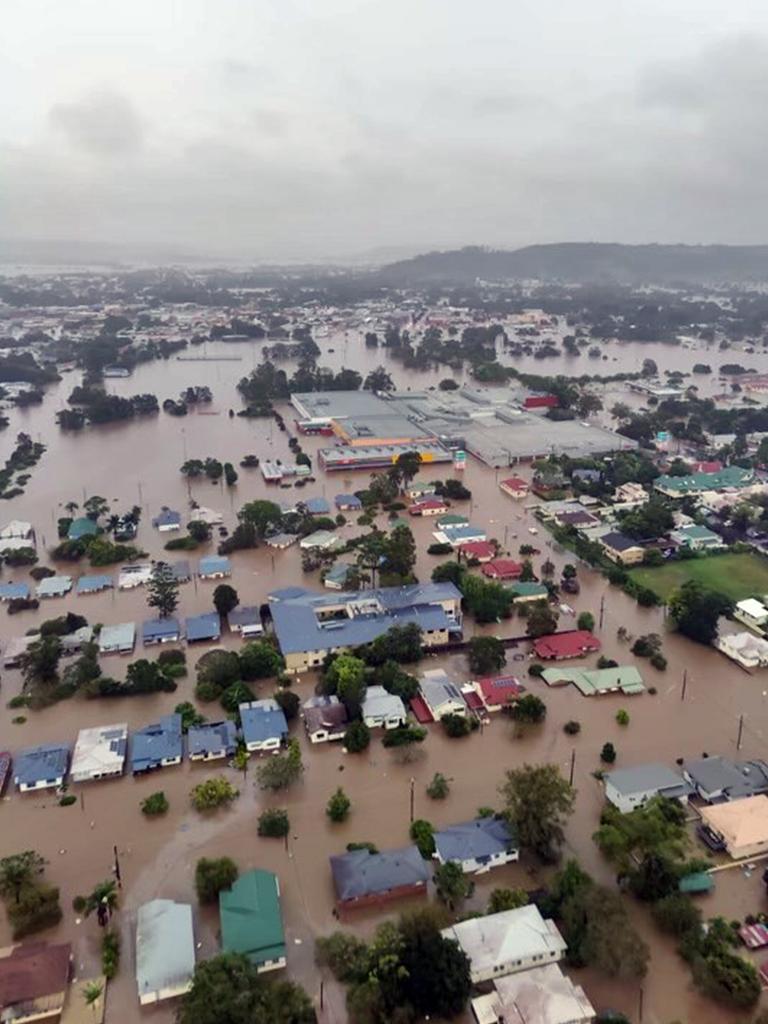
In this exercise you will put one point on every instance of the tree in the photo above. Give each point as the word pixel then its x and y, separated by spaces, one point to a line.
pixel 486 654
pixel 569 572
pixel 281 770
pixel 529 709
pixel 451 884
pixel 439 787
pixel 346 678
pixel 103 899
pixel 190 716
pixel 455 726
pixel 506 899
pixel 422 833
pixel 274 823
pixel 228 989
pixel 91 993
pixel 696 610
pixel 95 506
pixel 527 575
pixel 608 753
pixel 225 599
pixel 338 806
pixel 289 702
pixel 378 380
pixel 537 802
pixel 586 620
pixel 260 659
pixel 677 914
pixel 598 932
pixel 449 572
pixel 163 590
pixel 436 980
pixel 541 621
pixel 548 568
pixel 357 737
pixel 406 467
pixel 212 875
pixel 19 871
pixel 40 662
pixel 263 516
pixel 401 644
pixel 218 669
pixel 155 805
pixel 212 793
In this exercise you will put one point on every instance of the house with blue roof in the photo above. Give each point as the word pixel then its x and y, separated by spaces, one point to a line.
pixel 264 725
pixel 347 503
pixel 43 767
pixel 81 528
pixel 157 745
pixel 477 845
pixel 212 741
pixel 335 578
pixel 203 627
pixel 317 506
pixel 160 631
pixel 246 620
pixel 13 591
pixel 214 567
pixel 308 625
pixel 93 584
pixel 167 520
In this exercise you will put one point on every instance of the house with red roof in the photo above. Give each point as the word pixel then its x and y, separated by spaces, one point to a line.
pixel 497 692
pixel 482 550
pixel 502 569
pixel 541 402
pixel 515 487
pixel 573 644
pixel 34 980
pixel 428 507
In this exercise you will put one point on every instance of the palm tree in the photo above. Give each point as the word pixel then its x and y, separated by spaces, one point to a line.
pixel 71 507
pixel 92 993
pixel 103 900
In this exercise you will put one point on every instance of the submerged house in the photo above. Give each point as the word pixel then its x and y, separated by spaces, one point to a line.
pixel 165 950
pixel 42 767
pixel 252 921
pixel 477 845
pixel 264 725
pixel 99 752
pixel 212 741
pixel 34 981
pixel 325 719
pixel 157 745
pixel 362 878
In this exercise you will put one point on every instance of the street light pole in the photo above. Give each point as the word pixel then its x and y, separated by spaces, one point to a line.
pixel 413 783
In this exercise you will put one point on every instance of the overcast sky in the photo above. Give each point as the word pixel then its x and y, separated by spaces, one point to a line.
pixel 274 129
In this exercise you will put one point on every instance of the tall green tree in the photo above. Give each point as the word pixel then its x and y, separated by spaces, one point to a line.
pixel 40 662
pixel 18 871
pixel 225 599
pixel 696 610
pixel 452 885
pixel 163 590
pixel 486 654
pixel 263 516
pixel 537 803
pixel 542 621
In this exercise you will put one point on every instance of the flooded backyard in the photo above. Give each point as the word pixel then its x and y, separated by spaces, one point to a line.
pixel 138 464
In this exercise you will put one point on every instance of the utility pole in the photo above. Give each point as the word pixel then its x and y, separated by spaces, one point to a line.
pixel 602 610
pixel 413 783
pixel 573 766
pixel 741 732
pixel 118 876
pixel 685 683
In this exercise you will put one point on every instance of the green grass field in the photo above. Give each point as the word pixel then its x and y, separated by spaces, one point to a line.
pixel 736 576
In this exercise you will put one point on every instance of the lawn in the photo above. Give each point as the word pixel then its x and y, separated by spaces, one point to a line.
pixel 736 576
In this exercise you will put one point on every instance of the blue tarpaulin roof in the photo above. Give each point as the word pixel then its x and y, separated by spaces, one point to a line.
pixel 9 591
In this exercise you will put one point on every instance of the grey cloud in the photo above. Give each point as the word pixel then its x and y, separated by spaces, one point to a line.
pixel 104 124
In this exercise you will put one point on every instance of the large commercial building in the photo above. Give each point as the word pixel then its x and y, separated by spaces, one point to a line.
pixel 309 625
pixel 493 424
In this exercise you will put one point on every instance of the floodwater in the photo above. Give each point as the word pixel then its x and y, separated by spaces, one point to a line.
pixel 138 464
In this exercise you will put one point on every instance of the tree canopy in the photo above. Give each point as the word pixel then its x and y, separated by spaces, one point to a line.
pixel 538 800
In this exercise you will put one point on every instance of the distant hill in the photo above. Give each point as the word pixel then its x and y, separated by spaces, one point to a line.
pixel 586 262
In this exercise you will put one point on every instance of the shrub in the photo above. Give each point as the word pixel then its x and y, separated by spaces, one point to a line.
pixel 37 908
pixel 338 806
pixel 658 661
pixel 290 703
pixel 235 695
pixel 622 717
pixel 273 824
pixel 455 725
pixel 572 728
pixel 357 737
pixel 586 621
pixel 608 753
pixel 212 875
pixel 486 812
pixel 529 709
pixel 79 904
pixel 155 804
pixel 422 834
pixel 404 735
pixel 603 662
pixel 535 669
pixel 439 787
pixel 214 792
pixel 110 954
pixel 371 847
pixel 439 549
pixel 19 701
pixel 68 800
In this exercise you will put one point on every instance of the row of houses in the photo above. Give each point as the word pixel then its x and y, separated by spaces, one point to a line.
pixel 102 752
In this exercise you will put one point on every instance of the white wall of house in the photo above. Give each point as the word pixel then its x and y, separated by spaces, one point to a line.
pixel 261 746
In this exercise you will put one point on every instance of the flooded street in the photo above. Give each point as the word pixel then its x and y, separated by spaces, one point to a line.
pixel 138 463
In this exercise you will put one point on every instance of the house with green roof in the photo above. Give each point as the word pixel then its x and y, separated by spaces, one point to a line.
pixel 528 591
pixel 82 527
pixel 251 920
pixel 732 477
pixel 697 538
pixel 624 679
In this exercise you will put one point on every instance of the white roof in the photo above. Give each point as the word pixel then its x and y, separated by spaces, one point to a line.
pixel 541 995
pixel 134 575
pixel 165 946
pixel 121 635
pixel 379 702
pixel 206 515
pixel 100 751
pixel 510 935
pixel 744 643
pixel 16 528
pixel 753 608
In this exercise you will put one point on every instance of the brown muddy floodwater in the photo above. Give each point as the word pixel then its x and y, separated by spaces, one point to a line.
pixel 138 464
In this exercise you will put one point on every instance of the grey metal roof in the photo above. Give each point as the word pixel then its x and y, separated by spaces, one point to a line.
pixel 167 518
pixel 244 615
pixel 214 564
pixel 212 737
pixel 165 946
pixel 155 743
pixel 203 627
pixel 159 629
pixel 118 637
pixel 294 614
pixel 181 570
pixel 262 720
pixel 44 763
pixel 479 839
pixel 360 872
pixel 54 586
pixel 645 777
pixel 92 584
pixel 735 778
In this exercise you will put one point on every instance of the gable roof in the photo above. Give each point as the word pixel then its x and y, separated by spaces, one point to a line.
pixel 262 720
pixel 93 584
pixel 155 743
pixel 211 737
pixel 32 971
pixel 741 822
pixel 43 763
pixel 362 873
pixel 566 645
pixel 332 717
pixel 251 920
pixel 645 777
pixel 159 629
pixel 203 627
pixel 498 939
pixel 618 541
pixel 474 840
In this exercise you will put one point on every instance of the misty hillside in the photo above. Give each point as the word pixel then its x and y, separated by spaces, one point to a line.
pixel 586 262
